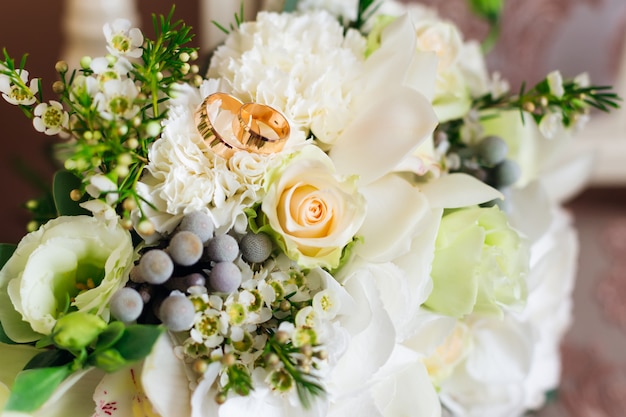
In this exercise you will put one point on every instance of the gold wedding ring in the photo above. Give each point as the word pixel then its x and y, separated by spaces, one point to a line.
pixel 255 127
pixel 223 145
pixel 260 128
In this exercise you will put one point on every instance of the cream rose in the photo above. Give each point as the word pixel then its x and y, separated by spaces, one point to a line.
pixel 75 259
pixel 315 212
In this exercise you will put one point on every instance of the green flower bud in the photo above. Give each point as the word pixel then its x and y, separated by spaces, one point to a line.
pixel 280 380
pixel 77 330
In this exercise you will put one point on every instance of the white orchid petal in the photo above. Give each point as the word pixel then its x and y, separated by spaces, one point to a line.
pixel 533 198
pixel 203 401
pixel 458 190
pixel 502 351
pixel 405 375
pixel 393 58
pixel 569 177
pixel 381 136
pixel 370 348
pixel 165 381
pixel 394 208
pixel 422 73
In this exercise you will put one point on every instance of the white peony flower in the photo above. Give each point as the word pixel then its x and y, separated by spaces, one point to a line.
pixel 302 65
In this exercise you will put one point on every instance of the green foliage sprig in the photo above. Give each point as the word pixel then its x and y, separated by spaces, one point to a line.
pixel 575 101
pixel 117 147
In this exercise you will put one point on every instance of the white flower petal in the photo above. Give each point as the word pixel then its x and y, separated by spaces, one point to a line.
pixel 381 136
pixel 394 208
pixel 408 391
pixel 165 382
pixel 458 190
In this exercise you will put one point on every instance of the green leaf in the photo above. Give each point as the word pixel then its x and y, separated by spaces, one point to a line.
pixel 290 5
pixel 109 360
pixel 137 341
pixel 487 9
pixel 6 251
pixel 110 335
pixel 64 182
pixel 49 358
pixel 33 387
pixel 4 338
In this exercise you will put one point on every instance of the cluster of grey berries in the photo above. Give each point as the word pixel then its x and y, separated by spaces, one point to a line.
pixel 487 161
pixel 192 257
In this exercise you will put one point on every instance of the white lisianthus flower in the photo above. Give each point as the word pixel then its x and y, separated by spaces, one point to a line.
pixel 122 40
pixel 491 274
pixel 50 118
pixel 315 212
pixel 17 95
pixel 302 65
pixel 117 99
pixel 71 257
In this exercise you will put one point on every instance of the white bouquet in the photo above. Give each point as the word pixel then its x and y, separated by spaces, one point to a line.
pixel 346 215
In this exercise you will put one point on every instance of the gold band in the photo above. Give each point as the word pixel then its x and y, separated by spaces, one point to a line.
pixel 223 145
pixel 260 128
pixel 255 127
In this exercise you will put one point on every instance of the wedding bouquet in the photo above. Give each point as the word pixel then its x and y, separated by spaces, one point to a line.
pixel 345 215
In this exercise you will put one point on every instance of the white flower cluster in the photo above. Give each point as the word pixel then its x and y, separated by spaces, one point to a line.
pixel 386 287
pixel 303 65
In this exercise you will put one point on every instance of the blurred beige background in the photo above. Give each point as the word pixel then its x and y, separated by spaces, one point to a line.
pixel 537 37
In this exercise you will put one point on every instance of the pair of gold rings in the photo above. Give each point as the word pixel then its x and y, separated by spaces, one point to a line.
pixel 253 127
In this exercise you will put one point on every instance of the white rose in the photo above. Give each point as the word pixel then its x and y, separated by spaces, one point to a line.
pixel 442 38
pixel 76 258
pixel 315 212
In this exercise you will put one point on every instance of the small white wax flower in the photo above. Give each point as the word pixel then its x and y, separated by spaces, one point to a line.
pixel 16 94
pixel 307 317
pixel 582 80
pixel 550 124
pixel 555 82
pixel 50 118
pixel 122 40
pixel 326 304
pixel 117 99
pixel 99 184
pixel 105 71
pixel 499 86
